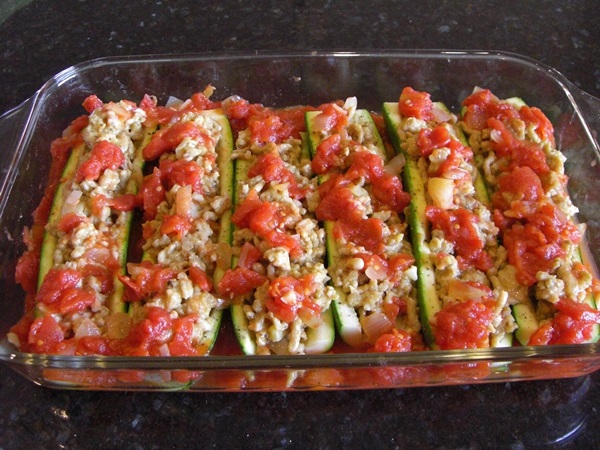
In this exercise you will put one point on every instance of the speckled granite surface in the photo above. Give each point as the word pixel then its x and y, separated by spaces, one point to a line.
pixel 42 38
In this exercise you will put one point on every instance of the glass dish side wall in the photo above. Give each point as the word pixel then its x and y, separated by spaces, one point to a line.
pixel 282 80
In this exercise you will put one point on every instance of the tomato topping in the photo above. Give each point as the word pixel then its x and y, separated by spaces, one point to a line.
pixel 148 334
pixel 339 204
pixel 145 279
pixel 243 211
pixel 287 295
pixel 366 233
pixel 176 225
pixel 55 283
pixel 169 138
pixel 415 104
pixel 572 324
pixel 181 172
pixel 429 140
pixel 265 220
pixel 542 125
pixel 396 341
pixel 239 281
pixel 91 103
pixel 76 300
pixel 464 324
pixel 104 155
pixel 331 117
pixel 273 169
pixel 388 191
pixel 125 202
pixel 181 342
pixel 518 193
pixel 249 255
pixel 459 228
pixel 69 222
pixel 151 194
pixel 45 334
pixel 200 279
pixel 398 264
pixel 328 155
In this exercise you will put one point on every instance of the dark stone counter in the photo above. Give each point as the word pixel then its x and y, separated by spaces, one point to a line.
pixel 38 39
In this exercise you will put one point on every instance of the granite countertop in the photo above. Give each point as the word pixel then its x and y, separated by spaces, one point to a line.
pixel 38 39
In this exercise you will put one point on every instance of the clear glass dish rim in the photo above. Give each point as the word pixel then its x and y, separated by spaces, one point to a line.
pixel 31 106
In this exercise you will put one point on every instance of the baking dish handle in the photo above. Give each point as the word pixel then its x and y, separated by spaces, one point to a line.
pixel 12 123
pixel 590 109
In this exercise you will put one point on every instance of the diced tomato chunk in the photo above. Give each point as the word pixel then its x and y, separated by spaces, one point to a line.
pixel 45 334
pixel 76 300
pixel 327 155
pixel 169 138
pixel 331 117
pixel 27 270
pixel 240 281
pixel 464 324
pixel 366 233
pixel 176 225
pixel 243 211
pixel 151 194
pixel 104 155
pixel 396 341
pixel 91 103
pixel 200 279
pixel 249 255
pixel 145 279
pixel 55 283
pixel 272 168
pixel 287 295
pixel 572 324
pixel 459 228
pixel 182 173
pixel 181 342
pixel 415 104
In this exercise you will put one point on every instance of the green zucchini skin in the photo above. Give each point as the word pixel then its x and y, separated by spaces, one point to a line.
pixel 50 239
pixel 427 296
pixel 320 339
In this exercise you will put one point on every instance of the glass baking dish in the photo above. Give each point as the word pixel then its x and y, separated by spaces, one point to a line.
pixel 283 80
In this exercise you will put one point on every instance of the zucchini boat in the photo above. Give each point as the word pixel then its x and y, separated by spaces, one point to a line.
pixel 278 282
pixel 361 202
pixel 84 248
pixel 186 230
pixel 552 291
pixel 461 302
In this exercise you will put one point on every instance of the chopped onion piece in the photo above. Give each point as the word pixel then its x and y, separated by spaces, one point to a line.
pixel 163 350
pixel 496 136
pixel 440 114
pixel 73 197
pixel 376 272
pixel 183 201
pixel 441 191
pixel 87 327
pixel 173 102
pixel 374 325
pixel 462 291
pixel 395 165
pixel 310 317
pixel 231 100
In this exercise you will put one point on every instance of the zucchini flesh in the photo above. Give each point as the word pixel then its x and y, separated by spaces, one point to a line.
pixel 99 236
pixel 433 285
pixel 248 324
pixel 532 312
pixel 200 245
pixel 349 317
